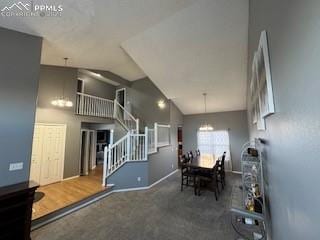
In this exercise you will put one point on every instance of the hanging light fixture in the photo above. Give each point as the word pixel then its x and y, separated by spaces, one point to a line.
pixel 62 101
pixel 205 126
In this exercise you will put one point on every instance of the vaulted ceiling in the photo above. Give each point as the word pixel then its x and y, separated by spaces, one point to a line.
pixel 202 48
pixel 186 47
pixel 90 32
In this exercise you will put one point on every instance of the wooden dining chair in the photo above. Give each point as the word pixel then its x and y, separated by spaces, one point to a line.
pixel 207 180
pixel 190 155
pixel 221 171
pixel 198 152
pixel 187 175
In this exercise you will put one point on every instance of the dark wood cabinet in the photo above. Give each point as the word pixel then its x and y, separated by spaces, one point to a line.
pixel 16 211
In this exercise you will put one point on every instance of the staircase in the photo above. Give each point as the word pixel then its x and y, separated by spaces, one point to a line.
pixel 134 146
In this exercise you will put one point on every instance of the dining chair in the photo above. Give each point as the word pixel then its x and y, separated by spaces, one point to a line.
pixel 190 155
pixel 198 152
pixel 187 175
pixel 195 154
pixel 221 171
pixel 207 180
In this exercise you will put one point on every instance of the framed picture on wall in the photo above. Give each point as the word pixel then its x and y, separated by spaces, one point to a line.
pixel 261 94
pixel 264 77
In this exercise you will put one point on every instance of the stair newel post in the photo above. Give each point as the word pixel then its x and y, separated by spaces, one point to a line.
pixel 156 136
pixel 115 108
pixel 137 125
pixel 146 143
pixel 128 147
pixel 106 164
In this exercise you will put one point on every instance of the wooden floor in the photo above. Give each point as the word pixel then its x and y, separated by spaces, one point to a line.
pixel 62 194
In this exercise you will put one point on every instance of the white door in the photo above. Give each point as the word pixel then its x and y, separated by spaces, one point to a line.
pixel 36 156
pixel 53 154
pixel 48 153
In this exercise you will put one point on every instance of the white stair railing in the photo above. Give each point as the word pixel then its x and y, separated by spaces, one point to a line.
pixel 129 122
pixel 151 141
pixel 89 105
pixel 132 147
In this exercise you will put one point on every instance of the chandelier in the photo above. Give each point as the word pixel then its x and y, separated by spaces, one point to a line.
pixel 62 101
pixel 205 127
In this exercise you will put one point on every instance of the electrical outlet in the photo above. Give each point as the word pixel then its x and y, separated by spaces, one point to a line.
pixel 139 179
pixel 172 166
pixel 16 166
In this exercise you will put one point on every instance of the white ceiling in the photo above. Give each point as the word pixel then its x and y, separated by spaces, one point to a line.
pixel 202 48
pixel 186 47
pixel 90 31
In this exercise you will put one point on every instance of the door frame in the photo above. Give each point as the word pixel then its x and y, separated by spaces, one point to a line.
pixel 124 94
pixel 63 152
pixel 94 136
pixel 83 84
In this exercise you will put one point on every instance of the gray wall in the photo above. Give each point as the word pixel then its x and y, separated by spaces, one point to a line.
pixel 166 160
pixel 50 85
pixel 19 75
pixel 292 138
pixel 96 87
pixel 235 121
pixel 127 176
pixel 143 96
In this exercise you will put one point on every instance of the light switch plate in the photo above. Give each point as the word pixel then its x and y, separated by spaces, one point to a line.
pixel 16 166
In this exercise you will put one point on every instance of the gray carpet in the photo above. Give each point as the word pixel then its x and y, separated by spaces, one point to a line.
pixel 162 212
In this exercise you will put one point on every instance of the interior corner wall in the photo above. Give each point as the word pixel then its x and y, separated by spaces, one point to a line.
pixel 165 160
pixel 235 122
pixel 96 87
pixel 19 75
pixel 52 81
pixel 292 151
pixel 143 96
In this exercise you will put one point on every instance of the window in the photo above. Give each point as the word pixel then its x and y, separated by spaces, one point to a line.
pixel 216 143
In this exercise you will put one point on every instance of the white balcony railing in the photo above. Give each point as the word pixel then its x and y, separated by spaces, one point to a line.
pixel 89 105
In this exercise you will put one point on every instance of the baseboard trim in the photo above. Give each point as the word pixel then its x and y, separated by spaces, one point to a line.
pixel 70 178
pixel 147 187
pixel 131 189
pixel 160 180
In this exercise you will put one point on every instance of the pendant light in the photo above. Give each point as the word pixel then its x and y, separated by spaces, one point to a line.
pixel 62 101
pixel 205 127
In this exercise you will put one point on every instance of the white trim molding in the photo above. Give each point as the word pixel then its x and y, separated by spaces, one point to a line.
pixel 147 187
pixel 70 178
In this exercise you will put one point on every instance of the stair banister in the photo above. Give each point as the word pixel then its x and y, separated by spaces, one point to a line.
pixel 105 163
pixel 137 125
pixel 146 143
pixel 128 148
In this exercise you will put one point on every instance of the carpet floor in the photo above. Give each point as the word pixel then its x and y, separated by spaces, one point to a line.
pixel 162 212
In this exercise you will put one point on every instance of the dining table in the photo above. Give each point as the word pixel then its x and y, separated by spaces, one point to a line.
pixel 204 161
